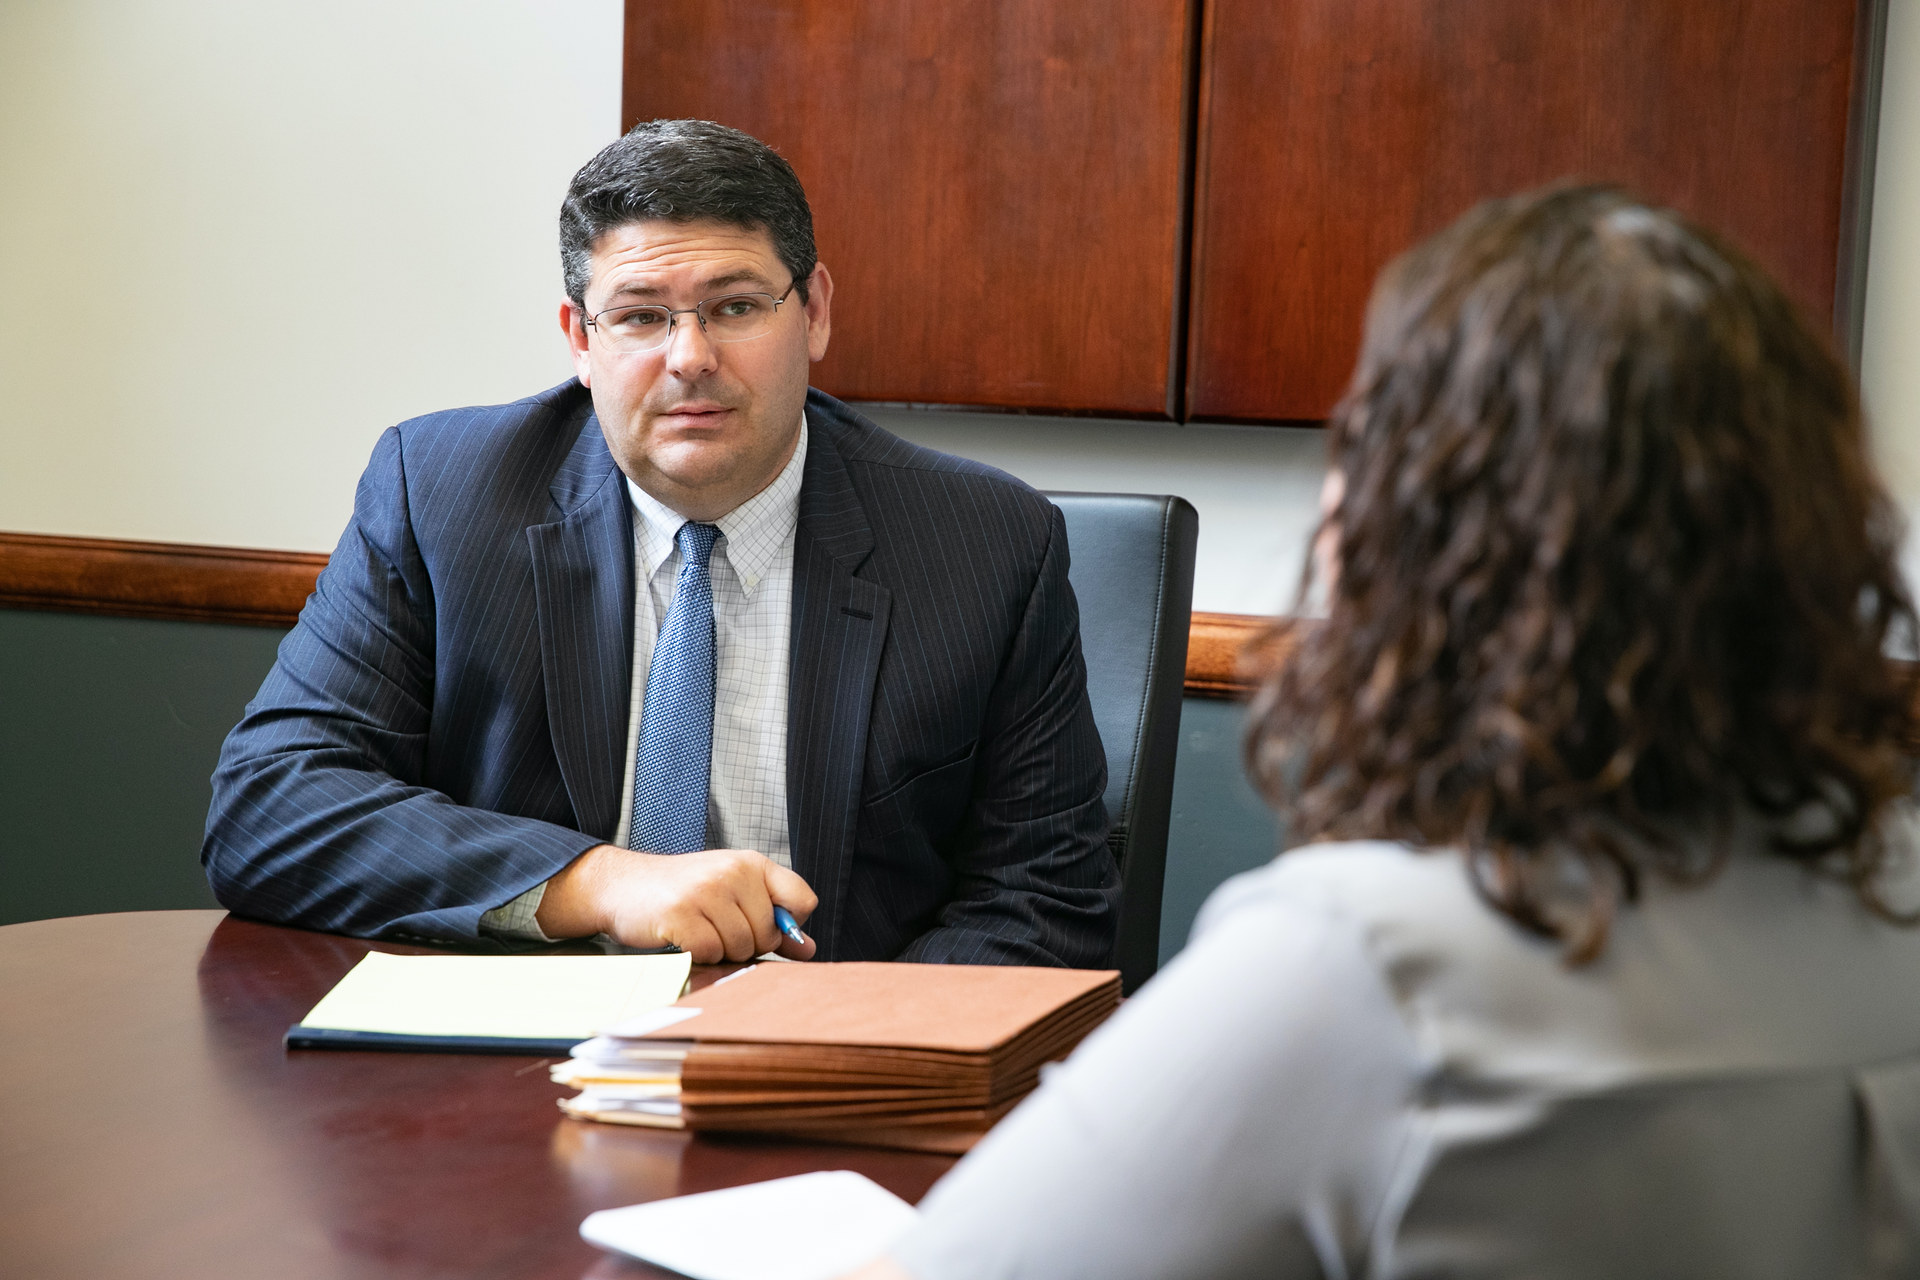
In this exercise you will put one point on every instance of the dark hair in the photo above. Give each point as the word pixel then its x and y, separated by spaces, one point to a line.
pixel 1611 565
pixel 685 171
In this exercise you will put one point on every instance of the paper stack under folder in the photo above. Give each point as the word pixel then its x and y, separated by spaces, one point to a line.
pixel 924 1057
pixel 624 1080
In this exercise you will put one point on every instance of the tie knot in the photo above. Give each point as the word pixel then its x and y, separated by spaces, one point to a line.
pixel 696 542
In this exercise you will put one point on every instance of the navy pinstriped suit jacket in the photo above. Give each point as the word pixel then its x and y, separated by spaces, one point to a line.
pixel 446 726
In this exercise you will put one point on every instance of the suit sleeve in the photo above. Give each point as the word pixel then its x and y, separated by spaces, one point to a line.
pixel 1035 880
pixel 319 817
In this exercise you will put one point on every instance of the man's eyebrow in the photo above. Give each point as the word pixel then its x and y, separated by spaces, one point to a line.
pixel 634 290
pixel 744 275
pixel 713 285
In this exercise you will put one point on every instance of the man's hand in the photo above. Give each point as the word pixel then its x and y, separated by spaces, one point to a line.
pixel 716 905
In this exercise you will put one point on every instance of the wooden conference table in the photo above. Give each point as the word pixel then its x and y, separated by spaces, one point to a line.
pixel 151 1125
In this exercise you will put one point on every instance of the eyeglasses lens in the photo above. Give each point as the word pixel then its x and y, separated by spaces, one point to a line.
pixel 733 318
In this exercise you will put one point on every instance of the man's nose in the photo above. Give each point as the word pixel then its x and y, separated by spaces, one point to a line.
pixel 690 352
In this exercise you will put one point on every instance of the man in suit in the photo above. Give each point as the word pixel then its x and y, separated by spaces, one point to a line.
pixel 682 640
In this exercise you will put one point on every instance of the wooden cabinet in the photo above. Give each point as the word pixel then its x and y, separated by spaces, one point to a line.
pixel 996 184
pixel 1335 133
pixel 1002 187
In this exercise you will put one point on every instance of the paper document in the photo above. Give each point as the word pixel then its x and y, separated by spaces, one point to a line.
pixel 810 1227
pixel 518 997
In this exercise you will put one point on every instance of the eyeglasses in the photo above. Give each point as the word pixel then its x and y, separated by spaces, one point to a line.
pixel 733 317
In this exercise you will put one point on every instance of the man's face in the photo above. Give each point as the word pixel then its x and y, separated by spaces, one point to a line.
pixel 700 425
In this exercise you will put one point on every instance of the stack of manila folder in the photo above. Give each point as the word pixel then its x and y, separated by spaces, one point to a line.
pixel 921 1057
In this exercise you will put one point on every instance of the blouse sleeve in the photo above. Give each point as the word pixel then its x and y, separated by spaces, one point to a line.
pixel 1242 1116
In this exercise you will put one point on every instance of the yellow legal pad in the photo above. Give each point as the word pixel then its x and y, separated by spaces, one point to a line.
pixel 487 1004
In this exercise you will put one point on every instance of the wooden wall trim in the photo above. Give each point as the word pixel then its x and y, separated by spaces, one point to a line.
pixel 250 587
pixel 156 579
pixel 1215 643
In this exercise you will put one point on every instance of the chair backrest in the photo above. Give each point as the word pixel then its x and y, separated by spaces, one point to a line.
pixel 1761 1176
pixel 1132 573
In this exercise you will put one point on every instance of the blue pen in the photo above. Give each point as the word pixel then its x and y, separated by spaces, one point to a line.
pixel 783 921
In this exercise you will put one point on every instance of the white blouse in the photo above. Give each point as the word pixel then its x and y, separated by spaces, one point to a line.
pixel 1271 1102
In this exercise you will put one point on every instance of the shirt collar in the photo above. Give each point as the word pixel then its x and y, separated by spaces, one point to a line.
pixel 753 533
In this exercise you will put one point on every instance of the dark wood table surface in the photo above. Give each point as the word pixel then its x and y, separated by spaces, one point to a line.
pixel 151 1125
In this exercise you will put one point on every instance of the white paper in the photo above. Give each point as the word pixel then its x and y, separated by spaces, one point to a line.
pixel 656 1020
pixel 594 1105
pixel 609 1051
pixel 532 997
pixel 811 1227
pixel 600 1093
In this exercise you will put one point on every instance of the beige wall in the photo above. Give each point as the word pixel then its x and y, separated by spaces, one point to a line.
pixel 239 239
pixel 1889 371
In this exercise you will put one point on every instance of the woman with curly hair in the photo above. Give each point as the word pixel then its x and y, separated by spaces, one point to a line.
pixel 1594 959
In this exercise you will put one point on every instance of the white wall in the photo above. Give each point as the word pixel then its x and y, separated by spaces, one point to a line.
pixel 238 239
pixel 1889 370
pixel 1257 489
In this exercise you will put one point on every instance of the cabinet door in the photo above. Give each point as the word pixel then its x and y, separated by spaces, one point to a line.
pixel 996 184
pixel 1335 133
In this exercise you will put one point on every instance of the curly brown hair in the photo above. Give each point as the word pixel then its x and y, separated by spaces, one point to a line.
pixel 1610 562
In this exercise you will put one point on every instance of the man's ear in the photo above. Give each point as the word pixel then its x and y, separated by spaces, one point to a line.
pixel 573 323
pixel 819 309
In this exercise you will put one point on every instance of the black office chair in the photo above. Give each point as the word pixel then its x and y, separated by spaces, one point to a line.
pixel 1132 572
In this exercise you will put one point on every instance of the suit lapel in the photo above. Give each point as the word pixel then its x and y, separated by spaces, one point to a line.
pixel 583 595
pixel 839 631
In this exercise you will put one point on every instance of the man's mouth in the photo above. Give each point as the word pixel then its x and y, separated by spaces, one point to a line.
pixel 697 412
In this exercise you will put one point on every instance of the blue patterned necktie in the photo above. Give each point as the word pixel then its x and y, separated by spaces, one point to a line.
pixel 676 717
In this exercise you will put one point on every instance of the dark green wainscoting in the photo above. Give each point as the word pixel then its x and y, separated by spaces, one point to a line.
pixel 1220 827
pixel 109 728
